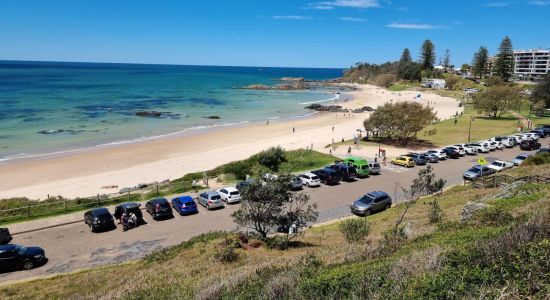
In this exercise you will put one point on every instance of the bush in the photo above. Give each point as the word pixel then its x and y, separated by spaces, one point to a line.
pixel 355 230
pixel 385 80
pixel 272 158
pixel 539 159
pixel 435 213
pixel 493 216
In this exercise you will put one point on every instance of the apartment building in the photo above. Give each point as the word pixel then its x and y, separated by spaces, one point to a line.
pixel 531 64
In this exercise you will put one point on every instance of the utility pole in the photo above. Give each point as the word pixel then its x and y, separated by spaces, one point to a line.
pixel 470 130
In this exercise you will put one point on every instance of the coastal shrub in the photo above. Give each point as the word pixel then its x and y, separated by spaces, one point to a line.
pixel 539 159
pixel 169 253
pixel 493 216
pixel 435 213
pixel 355 230
pixel 272 158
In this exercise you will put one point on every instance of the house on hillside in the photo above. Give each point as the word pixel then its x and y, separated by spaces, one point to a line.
pixel 434 83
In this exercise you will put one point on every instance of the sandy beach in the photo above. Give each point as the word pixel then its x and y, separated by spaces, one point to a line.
pixel 84 173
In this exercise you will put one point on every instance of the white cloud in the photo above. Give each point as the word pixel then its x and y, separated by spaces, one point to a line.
pixel 350 19
pixel 291 18
pixel 327 5
pixel 539 3
pixel 413 26
pixel 497 4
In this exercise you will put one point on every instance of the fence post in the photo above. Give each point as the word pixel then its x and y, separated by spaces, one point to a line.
pixel 97 199
pixel 64 204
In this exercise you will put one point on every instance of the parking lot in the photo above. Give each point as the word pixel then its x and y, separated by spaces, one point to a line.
pixel 72 247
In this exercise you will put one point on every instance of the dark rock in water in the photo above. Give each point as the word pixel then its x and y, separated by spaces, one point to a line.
pixel 149 114
pixel 213 117
pixel 329 108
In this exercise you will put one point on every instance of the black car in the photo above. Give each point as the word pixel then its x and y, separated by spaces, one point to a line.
pixel 243 184
pixel 99 218
pixel 543 150
pixel 16 257
pixel 418 159
pixel 5 236
pixel 159 208
pixel 328 176
pixel 545 129
pixel 129 207
pixel 346 172
pixel 529 145
pixel 451 153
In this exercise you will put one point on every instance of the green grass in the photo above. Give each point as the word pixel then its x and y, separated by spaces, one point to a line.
pixel 398 87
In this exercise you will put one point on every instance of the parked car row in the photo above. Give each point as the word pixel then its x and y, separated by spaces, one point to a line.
pixel 348 169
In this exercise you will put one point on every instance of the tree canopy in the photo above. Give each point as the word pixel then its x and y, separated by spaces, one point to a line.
pixel 427 55
pixel 402 120
pixel 497 99
pixel 504 63
pixel 542 92
pixel 479 63
pixel 405 57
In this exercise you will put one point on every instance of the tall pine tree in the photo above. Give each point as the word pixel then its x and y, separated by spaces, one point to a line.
pixel 427 55
pixel 447 58
pixel 479 63
pixel 504 64
pixel 405 57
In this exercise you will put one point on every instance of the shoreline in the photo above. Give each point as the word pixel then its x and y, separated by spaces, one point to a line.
pixel 82 174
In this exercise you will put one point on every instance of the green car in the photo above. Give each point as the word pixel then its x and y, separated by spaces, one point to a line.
pixel 360 164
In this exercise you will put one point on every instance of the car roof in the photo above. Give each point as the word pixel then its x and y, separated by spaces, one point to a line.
pixel 158 200
pixel 99 210
pixel 183 198
pixel 229 189
pixel 377 194
pixel 128 205
pixel 211 193
pixel 309 174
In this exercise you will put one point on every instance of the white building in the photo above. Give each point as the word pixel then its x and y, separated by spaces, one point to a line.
pixel 531 64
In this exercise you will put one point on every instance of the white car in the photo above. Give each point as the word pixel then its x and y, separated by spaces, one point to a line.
pixel 439 153
pixel 479 148
pixel 229 195
pixel 518 138
pixel 310 179
pixel 507 142
pixel 498 144
pixel 492 146
pixel 519 159
pixel 530 136
pixel 500 165
pixel 467 149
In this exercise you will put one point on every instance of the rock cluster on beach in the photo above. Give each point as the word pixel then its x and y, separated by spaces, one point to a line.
pixel 157 114
pixel 337 108
pixel 296 83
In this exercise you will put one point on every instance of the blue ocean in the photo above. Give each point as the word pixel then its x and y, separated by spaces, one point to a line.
pixel 53 107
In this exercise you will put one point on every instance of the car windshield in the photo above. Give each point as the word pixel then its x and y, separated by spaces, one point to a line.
pixel 314 178
pixel 366 199
pixel 233 193
pixel 474 170
pixel 20 249
pixel 521 157
pixel 102 215
pixel 191 203
pixel 216 197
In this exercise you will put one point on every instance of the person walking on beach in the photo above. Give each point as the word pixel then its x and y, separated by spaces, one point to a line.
pixel 293 129
pixel 333 130
pixel 194 185
pixel 349 150
pixel 267 122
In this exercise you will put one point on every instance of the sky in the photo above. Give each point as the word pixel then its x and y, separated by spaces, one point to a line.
pixel 283 33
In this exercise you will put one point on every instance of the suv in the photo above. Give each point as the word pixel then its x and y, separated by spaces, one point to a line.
pixel 371 202
pixel 184 205
pixel 467 149
pixel 529 145
pixel 243 184
pixel 545 129
pixel 361 165
pixel 441 154
pixel 210 199
pixel 310 179
pixel 159 208
pixel 328 176
pixel 129 207
pixel 452 152
pixel 418 159
pixel 99 218
pixel 374 168
pixel 14 257
pixel 460 150
pixel 404 161
pixel 5 236
pixel 347 173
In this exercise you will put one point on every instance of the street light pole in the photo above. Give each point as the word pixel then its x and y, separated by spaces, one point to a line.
pixel 470 130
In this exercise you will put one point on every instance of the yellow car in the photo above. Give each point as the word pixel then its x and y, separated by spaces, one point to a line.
pixel 403 161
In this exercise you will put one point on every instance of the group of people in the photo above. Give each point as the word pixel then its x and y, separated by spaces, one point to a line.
pixel 128 221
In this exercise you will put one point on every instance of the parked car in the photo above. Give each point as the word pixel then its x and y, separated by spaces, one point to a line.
pixel 518 138
pixel 530 136
pixel 229 195
pixel 441 154
pixel 418 159
pixel 360 164
pixel 500 165
pixel 370 203
pixel 477 172
pixel 479 148
pixel 243 184
pixel 159 208
pixel 5 236
pixel 498 145
pixel 310 179
pixel 545 129
pixel 296 183
pixel 538 132
pixel 507 142
pixel 519 159
pixel 491 145
pixel 17 257
pixel 184 205
pixel 328 176
pixel 543 150
pixel 374 167
pixel 129 207
pixel 467 149
pixel 346 172
pixel 486 145
pixel 460 150
pixel 452 152
pixel 98 219
pixel 529 145
pixel 404 161
pixel 210 200
pixel 430 157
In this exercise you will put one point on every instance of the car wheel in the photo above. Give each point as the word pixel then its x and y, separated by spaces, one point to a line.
pixel 92 228
pixel 27 265
pixel 307 184
pixel 207 207
pixel 368 212
pixel 387 206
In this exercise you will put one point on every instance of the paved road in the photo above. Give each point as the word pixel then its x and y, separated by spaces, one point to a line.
pixel 73 247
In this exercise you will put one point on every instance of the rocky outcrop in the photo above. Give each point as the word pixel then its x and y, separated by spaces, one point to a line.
pixel 506 192
pixel 157 114
pixel 257 87
pixel 470 209
pixel 363 109
pixel 300 79
pixel 328 108
pixel 213 117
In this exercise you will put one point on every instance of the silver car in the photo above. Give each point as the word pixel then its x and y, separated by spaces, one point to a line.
pixel 370 203
pixel 374 167
pixel 476 172
pixel 519 159
pixel 210 199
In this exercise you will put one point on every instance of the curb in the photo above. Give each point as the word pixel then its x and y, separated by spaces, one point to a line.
pixel 46 227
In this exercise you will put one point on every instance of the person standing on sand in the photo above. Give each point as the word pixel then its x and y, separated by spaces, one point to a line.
pixel 333 131
pixel 349 150
pixel 293 129
pixel 267 122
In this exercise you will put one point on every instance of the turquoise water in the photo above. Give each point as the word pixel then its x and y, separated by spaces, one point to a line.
pixel 56 107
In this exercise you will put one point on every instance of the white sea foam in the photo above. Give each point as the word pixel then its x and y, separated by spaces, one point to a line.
pixel 334 98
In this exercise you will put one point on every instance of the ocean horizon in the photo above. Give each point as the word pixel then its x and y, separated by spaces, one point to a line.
pixel 57 107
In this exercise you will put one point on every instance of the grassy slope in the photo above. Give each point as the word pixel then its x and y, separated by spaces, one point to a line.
pixel 325 266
